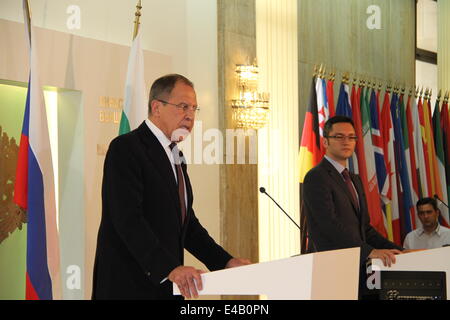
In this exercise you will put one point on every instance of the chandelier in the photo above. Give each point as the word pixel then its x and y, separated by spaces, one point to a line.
pixel 250 110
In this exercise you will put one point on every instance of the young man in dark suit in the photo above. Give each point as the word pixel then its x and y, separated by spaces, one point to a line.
pixel 335 204
pixel 147 219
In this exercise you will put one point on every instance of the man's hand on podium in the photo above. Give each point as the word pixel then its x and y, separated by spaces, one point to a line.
pixel 386 255
pixel 188 280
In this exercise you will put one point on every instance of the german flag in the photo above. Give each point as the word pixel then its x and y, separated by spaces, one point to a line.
pixel 309 154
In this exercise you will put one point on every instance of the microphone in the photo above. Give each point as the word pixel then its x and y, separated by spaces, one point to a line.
pixel 263 190
pixel 438 199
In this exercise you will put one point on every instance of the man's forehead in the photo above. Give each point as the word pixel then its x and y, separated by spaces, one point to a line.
pixel 426 207
pixel 183 91
pixel 343 127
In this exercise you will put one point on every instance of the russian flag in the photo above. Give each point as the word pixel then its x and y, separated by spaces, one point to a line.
pixel 35 190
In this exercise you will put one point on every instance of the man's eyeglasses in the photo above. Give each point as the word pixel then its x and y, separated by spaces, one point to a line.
pixel 182 106
pixel 341 137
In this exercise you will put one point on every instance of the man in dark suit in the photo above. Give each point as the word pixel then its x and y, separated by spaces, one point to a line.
pixel 147 217
pixel 335 203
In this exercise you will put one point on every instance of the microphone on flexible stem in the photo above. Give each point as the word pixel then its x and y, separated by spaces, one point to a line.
pixel 263 190
pixel 438 199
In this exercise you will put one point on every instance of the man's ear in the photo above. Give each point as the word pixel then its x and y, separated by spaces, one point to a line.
pixel 155 107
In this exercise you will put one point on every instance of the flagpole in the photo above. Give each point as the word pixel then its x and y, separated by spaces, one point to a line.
pixel 137 18
pixel 28 18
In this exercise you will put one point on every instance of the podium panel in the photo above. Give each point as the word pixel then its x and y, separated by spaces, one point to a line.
pixel 323 275
pixel 428 260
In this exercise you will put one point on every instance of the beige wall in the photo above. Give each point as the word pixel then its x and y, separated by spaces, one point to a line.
pixel 335 33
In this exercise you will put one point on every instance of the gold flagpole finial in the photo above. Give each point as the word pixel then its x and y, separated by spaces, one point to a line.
pixel 28 18
pixel 324 72
pixel 137 15
pixel 315 70
pixel 439 95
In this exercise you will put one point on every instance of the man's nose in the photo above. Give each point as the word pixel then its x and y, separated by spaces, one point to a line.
pixel 189 117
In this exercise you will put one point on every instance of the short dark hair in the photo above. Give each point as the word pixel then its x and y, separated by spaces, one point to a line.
pixel 427 200
pixel 163 86
pixel 333 120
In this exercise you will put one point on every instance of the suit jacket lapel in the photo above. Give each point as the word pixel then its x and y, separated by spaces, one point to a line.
pixel 158 156
pixel 337 177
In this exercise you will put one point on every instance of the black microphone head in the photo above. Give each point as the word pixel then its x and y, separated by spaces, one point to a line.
pixel 436 197
pixel 262 190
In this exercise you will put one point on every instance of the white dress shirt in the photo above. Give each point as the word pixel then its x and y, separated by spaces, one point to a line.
pixel 419 239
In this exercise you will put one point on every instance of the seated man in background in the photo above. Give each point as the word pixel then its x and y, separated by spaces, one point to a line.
pixel 431 234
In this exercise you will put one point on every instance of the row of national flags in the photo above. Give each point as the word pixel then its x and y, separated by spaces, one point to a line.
pixel 402 153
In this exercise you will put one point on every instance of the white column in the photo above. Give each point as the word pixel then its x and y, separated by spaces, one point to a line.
pixel 278 170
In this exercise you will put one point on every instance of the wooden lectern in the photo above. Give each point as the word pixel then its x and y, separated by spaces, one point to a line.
pixel 328 275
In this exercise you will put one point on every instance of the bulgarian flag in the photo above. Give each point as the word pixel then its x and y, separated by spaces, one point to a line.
pixel 135 108
pixel 34 190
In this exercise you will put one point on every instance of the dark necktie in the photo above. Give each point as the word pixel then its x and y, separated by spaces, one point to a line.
pixel 177 156
pixel 348 182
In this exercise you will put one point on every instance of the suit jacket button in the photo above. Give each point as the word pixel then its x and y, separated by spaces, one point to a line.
pixel 148 274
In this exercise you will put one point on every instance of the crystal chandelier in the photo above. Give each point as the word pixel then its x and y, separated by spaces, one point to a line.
pixel 250 110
